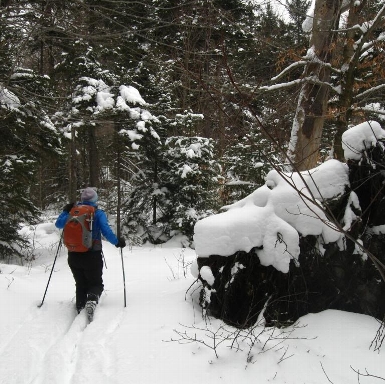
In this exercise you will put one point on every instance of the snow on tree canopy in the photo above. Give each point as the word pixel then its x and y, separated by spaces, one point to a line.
pixel 129 94
pixel 8 99
pixel 97 97
pixel 361 137
pixel 105 98
pixel 272 217
pixel 91 89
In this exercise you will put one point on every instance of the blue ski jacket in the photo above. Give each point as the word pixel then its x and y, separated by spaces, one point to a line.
pixel 100 226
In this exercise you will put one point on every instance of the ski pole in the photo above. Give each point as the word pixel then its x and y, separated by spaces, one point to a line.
pixel 124 277
pixel 104 259
pixel 53 266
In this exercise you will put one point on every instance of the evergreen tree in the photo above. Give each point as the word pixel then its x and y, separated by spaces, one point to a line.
pixel 246 163
pixel 146 205
pixel 193 178
pixel 297 10
pixel 28 140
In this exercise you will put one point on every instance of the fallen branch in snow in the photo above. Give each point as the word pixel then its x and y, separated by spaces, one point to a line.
pixel 10 281
pixel 170 268
pixel 323 369
pixel 216 337
pixel 380 337
pixel 181 262
pixel 188 289
pixel 240 340
pixel 366 374
pixel 284 357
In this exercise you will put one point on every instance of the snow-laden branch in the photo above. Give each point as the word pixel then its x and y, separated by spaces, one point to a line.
pixel 373 108
pixel 378 17
pixel 308 79
pixel 370 91
pixel 362 44
pixel 369 45
pixel 367 26
pixel 291 67
pixel 283 85
pixel 310 57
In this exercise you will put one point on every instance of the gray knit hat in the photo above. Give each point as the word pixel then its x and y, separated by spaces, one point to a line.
pixel 90 195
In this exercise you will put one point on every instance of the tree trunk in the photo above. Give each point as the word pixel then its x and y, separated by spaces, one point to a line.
pixel 118 185
pixel 353 50
pixel 93 158
pixel 73 178
pixel 346 97
pixel 154 199
pixel 312 104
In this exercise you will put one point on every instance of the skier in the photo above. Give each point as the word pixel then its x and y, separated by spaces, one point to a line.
pixel 87 267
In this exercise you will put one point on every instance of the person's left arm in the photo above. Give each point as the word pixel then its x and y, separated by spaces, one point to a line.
pixel 105 227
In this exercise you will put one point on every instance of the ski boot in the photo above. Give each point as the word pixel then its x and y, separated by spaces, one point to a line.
pixel 91 303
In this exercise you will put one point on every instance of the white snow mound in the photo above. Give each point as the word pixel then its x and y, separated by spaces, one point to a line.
pixel 361 137
pixel 272 217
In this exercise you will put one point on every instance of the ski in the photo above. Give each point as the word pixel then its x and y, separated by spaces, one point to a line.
pixel 90 310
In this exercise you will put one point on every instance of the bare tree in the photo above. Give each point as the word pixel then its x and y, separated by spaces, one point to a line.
pixel 358 42
pixel 312 104
pixel 342 76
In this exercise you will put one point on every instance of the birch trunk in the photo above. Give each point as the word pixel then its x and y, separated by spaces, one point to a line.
pixel 312 103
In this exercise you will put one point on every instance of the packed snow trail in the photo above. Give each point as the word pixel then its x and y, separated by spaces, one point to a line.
pixel 81 355
pixel 56 346
pixel 35 334
pixel 134 345
pixel 58 360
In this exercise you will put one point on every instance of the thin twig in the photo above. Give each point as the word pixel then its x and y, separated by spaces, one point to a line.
pixel 325 373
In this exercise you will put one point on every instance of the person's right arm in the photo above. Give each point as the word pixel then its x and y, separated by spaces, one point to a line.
pixel 62 219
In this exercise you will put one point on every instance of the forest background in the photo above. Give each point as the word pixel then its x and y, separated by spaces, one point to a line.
pixel 174 109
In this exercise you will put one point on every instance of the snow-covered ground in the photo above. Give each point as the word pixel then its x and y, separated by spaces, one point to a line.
pixel 139 344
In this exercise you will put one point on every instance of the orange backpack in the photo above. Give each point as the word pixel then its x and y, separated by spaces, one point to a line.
pixel 77 235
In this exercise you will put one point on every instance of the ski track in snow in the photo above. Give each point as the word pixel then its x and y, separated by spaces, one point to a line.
pixel 28 344
pixel 93 362
pixel 81 354
pixel 58 360
pixel 55 345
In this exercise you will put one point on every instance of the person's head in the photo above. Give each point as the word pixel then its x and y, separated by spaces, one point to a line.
pixel 89 195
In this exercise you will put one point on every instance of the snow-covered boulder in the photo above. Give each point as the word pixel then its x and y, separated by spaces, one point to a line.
pixel 297 244
pixel 272 219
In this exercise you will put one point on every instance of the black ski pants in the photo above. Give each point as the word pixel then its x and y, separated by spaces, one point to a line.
pixel 87 270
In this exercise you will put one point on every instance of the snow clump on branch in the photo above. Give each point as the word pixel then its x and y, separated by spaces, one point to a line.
pixel 360 138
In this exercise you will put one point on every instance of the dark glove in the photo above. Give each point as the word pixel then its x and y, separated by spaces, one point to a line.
pixel 68 207
pixel 121 243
